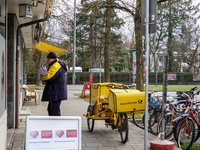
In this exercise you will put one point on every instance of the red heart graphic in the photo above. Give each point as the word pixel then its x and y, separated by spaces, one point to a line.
pixel 34 134
pixel 59 133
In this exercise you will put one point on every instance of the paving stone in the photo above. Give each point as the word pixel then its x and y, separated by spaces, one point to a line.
pixel 89 148
pixel 106 148
pixel 102 138
pixel 17 149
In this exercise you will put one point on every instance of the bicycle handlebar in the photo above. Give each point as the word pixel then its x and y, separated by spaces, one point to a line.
pixel 197 93
pixel 188 94
pixel 128 86
pixel 112 86
pixel 192 89
pixel 185 95
pixel 116 87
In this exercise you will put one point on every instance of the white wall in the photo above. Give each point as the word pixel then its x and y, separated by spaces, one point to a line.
pixel 3 131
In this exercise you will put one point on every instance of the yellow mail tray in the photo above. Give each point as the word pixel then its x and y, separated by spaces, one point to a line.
pixel 126 100
pixel 98 90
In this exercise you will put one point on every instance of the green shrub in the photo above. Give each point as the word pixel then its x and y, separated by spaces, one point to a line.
pixel 122 77
pixel 185 145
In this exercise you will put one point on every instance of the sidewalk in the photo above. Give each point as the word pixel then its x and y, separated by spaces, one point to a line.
pixel 102 138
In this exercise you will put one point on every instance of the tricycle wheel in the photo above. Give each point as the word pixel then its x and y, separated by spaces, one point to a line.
pixel 90 121
pixel 124 128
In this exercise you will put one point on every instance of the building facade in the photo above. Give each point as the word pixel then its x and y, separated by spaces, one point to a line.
pixel 18 21
pixel 3 104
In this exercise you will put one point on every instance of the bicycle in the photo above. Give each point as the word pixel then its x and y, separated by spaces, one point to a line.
pixel 173 112
pixel 153 103
pixel 186 127
pixel 178 120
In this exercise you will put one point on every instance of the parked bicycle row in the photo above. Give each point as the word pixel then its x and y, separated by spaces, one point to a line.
pixel 182 117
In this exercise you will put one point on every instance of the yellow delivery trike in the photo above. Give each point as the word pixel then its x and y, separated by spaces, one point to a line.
pixel 111 102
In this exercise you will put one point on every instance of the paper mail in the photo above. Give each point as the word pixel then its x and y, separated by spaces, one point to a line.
pixel 43 71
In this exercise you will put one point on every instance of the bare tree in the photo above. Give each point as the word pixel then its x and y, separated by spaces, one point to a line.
pixel 134 8
pixel 187 46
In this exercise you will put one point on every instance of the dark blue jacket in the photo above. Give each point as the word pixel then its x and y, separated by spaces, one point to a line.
pixel 56 86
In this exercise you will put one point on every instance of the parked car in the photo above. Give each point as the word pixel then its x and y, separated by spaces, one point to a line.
pixel 96 70
pixel 77 69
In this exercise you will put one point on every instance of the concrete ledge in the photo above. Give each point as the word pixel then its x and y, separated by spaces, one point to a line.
pixel 10 133
pixel 24 112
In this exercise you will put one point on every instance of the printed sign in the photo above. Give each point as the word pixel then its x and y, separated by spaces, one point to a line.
pixel 53 133
pixel 2 69
pixel 171 76
pixel 134 62
pixel 134 66
pixel 196 77
pixel 29 11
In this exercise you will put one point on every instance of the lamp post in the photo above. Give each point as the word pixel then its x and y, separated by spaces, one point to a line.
pixel 118 66
pixel 147 76
pixel 74 45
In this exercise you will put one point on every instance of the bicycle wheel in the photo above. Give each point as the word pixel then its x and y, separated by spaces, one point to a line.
pixel 153 122
pixel 138 119
pixel 176 127
pixel 197 128
pixel 168 127
pixel 124 128
pixel 197 132
pixel 90 121
pixel 186 134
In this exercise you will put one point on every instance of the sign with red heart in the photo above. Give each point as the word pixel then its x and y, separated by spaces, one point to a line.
pixel 59 133
pixel 53 133
pixel 34 134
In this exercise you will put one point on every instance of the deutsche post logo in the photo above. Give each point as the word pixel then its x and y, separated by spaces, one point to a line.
pixel 140 101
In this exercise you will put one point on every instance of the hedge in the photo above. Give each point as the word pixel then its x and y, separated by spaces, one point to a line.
pixel 122 77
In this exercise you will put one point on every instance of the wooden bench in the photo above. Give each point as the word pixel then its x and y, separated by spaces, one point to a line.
pixel 29 94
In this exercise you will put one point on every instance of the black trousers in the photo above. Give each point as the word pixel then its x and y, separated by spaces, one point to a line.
pixel 54 108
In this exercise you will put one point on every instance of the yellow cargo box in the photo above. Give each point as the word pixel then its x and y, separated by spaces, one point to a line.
pixel 98 90
pixel 126 101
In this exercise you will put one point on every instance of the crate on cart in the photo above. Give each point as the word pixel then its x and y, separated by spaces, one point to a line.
pixel 126 101
pixel 99 98
pixel 98 90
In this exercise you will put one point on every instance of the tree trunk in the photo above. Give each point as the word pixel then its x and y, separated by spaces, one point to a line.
pixel 169 42
pixel 107 43
pixel 139 52
pixel 95 38
pixel 155 61
pixel 37 56
pixel 102 40
pixel 92 46
pixel 83 59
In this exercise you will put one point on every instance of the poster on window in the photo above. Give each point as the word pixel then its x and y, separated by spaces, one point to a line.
pixel 196 77
pixel 2 58
pixel 53 133
pixel 171 77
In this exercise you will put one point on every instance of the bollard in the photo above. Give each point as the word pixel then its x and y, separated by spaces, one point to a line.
pixel 162 145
